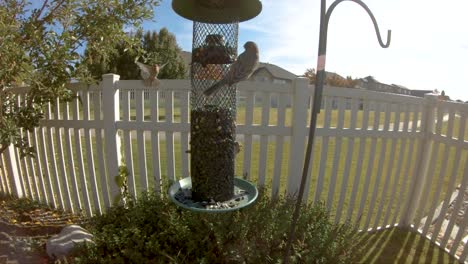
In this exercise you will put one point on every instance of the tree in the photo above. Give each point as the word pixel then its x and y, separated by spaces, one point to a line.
pixel 155 48
pixel 40 46
pixel 331 79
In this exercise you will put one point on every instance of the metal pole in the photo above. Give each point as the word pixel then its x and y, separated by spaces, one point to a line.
pixel 319 81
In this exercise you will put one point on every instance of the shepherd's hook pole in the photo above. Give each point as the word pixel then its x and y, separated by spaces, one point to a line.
pixel 320 77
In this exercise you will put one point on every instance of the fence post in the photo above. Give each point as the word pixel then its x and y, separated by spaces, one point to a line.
pixel 422 161
pixel 301 99
pixel 11 165
pixel 111 112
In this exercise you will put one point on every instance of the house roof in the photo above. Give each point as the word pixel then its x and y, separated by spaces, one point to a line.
pixel 400 86
pixel 276 71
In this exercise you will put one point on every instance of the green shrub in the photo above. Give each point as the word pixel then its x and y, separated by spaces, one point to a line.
pixel 153 230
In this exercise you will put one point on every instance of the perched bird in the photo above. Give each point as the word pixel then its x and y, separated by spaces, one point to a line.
pixel 149 73
pixel 240 70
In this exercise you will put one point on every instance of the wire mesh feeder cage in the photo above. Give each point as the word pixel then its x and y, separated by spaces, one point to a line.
pixel 212 142
pixel 213 145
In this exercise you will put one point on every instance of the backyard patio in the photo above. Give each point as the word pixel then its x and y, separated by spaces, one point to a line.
pixel 385 162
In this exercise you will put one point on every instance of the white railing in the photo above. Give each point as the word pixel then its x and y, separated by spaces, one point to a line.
pixel 380 160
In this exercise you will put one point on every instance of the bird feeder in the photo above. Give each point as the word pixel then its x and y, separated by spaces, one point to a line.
pixel 213 145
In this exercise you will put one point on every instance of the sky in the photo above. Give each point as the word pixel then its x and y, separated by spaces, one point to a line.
pixel 428 50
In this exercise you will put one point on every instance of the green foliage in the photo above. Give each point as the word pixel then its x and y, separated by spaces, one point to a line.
pixel 332 79
pixel 153 230
pixel 21 205
pixel 150 47
pixel 39 47
pixel 121 180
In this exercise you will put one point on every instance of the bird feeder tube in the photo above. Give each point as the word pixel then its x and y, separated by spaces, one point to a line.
pixel 213 151
pixel 213 127
pixel 213 99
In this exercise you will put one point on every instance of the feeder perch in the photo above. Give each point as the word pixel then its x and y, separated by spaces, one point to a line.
pixel 213 118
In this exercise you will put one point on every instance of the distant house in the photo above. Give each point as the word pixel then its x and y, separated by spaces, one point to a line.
pixel 371 84
pixel 420 93
pixel 267 72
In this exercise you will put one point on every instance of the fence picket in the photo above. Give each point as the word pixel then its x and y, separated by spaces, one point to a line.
pixel 382 157
pixel 323 151
pixel 249 108
pixel 349 158
pixel 100 151
pixel 262 164
pixel 22 173
pixel 68 204
pixel 155 140
pixel 184 136
pixel 399 164
pixel 370 165
pixel 440 178
pixel 359 163
pixel 71 161
pixel 391 161
pixel 3 176
pixel 281 118
pixel 128 150
pixel 49 171
pixel 170 159
pixel 90 157
pixel 431 172
pixel 80 158
pixel 459 202
pixel 301 99
pixel 140 135
pixel 336 154
pixel 420 167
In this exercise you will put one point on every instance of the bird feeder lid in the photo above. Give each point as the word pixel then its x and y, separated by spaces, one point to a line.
pixel 217 11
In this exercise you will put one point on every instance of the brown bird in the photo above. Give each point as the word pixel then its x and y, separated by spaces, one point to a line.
pixel 149 73
pixel 240 70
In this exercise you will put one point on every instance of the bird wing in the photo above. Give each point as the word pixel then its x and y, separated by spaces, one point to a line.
pixel 242 68
pixel 144 69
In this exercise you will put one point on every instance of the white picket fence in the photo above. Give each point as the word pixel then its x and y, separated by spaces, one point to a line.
pixel 380 160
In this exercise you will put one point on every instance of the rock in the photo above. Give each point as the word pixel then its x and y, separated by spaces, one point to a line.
pixel 63 243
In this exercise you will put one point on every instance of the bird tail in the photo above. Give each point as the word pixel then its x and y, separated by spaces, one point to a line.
pixel 214 88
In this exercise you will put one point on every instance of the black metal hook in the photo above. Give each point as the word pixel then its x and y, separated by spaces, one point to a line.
pixel 324 18
pixel 363 5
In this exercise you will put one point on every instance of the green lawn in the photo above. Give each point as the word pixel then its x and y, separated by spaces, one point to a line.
pixel 273 116
pixel 399 246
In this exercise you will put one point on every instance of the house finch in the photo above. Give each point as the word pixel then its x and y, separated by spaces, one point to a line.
pixel 240 70
pixel 149 73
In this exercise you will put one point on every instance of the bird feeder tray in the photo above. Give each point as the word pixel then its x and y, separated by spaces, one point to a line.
pixel 245 193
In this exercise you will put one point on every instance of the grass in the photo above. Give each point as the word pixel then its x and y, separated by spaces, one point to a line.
pixel 273 116
pixel 399 246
